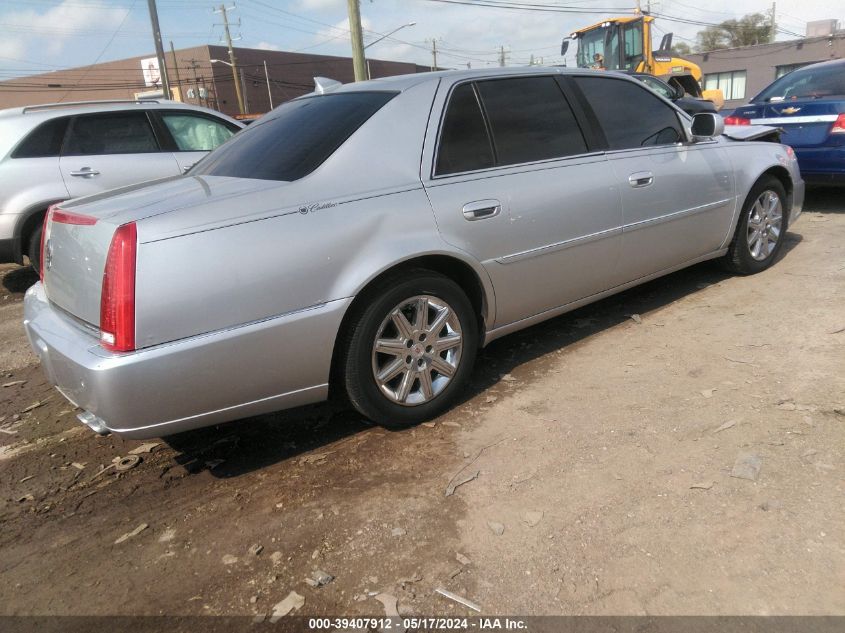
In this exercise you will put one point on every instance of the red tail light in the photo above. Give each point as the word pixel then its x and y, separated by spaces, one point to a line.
pixel 839 125
pixel 68 217
pixel 117 301
pixel 737 120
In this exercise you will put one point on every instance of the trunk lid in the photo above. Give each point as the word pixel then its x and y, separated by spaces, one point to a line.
pixel 75 251
pixel 805 122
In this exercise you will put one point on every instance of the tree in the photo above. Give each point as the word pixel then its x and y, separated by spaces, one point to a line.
pixel 681 49
pixel 750 29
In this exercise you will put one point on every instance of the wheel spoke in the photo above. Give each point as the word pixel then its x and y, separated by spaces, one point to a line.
pixel 421 317
pixel 405 386
pixel 442 367
pixel 390 371
pixel 391 346
pixel 440 320
pixel 425 383
pixel 402 324
pixel 447 342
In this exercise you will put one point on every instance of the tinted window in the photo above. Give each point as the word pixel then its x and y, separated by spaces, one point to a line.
pixel 119 133
pixel 630 114
pixel 812 81
pixel 295 138
pixel 45 140
pixel 464 143
pixel 193 133
pixel 530 120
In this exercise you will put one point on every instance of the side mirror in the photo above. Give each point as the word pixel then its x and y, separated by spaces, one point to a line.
pixel 679 92
pixel 564 46
pixel 707 125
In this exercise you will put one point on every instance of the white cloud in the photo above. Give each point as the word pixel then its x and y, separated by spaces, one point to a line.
pixel 267 46
pixel 30 33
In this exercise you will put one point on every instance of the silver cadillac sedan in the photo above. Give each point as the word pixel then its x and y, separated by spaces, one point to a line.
pixel 369 238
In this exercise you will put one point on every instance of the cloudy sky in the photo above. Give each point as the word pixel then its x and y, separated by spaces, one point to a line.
pixel 43 35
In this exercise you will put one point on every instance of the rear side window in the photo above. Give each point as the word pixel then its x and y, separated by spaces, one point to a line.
pixel 118 133
pixel 530 120
pixel 295 139
pixel 630 115
pixel 43 141
pixel 193 133
pixel 464 143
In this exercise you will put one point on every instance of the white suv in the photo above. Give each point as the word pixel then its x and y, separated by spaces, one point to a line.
pixel 50 153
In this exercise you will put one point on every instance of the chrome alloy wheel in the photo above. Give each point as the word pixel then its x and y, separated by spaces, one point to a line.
pixel 765 219
pixel 417 350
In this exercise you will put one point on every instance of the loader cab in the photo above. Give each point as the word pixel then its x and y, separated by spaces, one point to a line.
pixel 611 45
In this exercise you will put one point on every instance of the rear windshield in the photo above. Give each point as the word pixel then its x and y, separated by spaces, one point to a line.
pixel 806 83
pixel 293 140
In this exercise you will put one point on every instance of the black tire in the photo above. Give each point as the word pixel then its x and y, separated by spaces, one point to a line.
pixel 34 248
pixel 366 323
pixel 739 258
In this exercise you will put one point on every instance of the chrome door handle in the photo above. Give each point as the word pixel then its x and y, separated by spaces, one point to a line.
pixel 481 209
pixel 85 172
pixel 641 179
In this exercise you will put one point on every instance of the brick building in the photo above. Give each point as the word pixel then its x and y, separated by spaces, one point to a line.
pixel 196 79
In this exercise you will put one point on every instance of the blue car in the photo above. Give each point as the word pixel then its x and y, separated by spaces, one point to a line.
pixel 808 104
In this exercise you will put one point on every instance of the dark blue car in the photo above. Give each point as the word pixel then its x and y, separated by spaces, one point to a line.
pixel 808 104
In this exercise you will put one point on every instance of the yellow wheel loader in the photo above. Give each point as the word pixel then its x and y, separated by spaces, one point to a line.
pixel 624 44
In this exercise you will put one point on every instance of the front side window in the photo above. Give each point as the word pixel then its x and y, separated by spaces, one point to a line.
pixel 464 143
pixel 193 133
pixel 530 120
pixel 630 115
pixel 295 138
pixel 118 133
pixel 43 141
pixel 632 42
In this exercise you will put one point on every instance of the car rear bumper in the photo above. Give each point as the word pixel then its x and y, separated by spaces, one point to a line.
pixel 248 370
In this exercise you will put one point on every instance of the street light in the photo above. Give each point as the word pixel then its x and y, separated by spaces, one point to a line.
pixel 398 28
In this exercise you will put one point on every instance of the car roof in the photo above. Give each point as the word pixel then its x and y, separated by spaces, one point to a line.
pixel 404 82
pixel 45 111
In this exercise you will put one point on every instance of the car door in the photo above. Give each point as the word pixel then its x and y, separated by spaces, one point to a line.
pixel 194 134
pixel 677 197
pixel 112 149
pixel 513 182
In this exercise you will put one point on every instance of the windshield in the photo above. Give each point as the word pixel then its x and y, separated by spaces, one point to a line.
pixel 591 49
pixel 294 139
pixel 806 83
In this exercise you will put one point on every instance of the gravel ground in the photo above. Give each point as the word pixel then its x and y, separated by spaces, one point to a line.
pixel 606 448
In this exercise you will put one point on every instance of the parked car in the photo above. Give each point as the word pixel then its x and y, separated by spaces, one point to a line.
pixel 676 94
pixel 368 238
pixel 808 104
pixel 53 152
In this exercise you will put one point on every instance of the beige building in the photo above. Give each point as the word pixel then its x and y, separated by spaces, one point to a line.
pixel 195 78
pixel 741 73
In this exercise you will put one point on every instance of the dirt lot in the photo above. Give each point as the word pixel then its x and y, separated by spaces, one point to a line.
pixel 596 439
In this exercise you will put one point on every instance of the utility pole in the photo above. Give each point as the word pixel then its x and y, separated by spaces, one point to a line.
pixel 176 68
pixel 358 64
pixel 162 63
pixel 194 66
pixel 502 56
pixel 238 93
pixel 243 92
pixel 433 54
pixel 774 25
pixel 267 77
